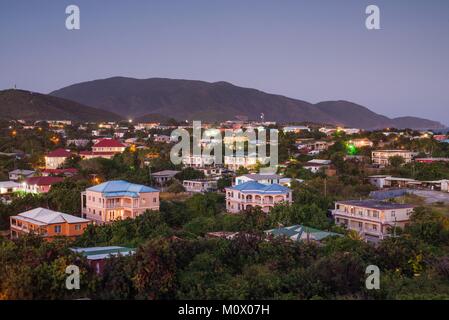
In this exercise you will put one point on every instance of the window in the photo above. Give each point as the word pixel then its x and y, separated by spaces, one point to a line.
pixel 57 229
pixel 154 200
pixel 77 227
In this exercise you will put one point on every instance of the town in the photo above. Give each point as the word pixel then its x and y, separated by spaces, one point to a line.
pixel 106 197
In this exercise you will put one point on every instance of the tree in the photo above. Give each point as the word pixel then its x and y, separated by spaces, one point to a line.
pixel 189 174
pixel 155 275
pixel 396 161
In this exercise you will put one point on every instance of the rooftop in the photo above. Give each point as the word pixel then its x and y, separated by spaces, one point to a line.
pixel 165 173
pixel 120 188
pixel 97 253
pixel 9 184
pixel 257 177
pixel 256 187
pixel 42 216
pixel 43 181
pixel 59 153
pixel 109 143
pixel 376 204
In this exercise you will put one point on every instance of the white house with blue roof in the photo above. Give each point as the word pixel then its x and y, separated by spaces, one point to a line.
pixel 254 194
pixel 118 199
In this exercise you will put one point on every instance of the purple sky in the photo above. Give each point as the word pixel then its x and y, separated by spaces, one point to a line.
pixel 313 50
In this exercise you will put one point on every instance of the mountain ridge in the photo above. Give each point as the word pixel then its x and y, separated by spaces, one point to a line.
pixel 27 105
pixel 184 99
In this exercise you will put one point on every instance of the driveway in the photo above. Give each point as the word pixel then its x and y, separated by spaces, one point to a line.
pixel 432 196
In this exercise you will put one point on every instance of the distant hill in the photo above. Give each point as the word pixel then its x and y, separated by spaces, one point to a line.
pixel 26 105
pixel 199 100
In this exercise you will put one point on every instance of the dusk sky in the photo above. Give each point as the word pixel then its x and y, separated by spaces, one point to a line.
pixel 312 50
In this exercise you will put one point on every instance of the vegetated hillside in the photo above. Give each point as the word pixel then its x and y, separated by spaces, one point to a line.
pixel 26 105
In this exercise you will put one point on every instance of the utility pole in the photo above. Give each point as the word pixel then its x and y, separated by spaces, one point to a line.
pixel 325 187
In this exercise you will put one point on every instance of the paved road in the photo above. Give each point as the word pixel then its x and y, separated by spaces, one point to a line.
pixel 432 196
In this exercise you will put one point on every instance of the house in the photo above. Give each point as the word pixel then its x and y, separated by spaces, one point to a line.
pixel 440 137
pixel 295 129
pixel 118 199
pixel 228 235
pixel 254 194
pixel 261 178
pixel 104 148
pixel 382 157
pixel 431 160
pixel 19 174
pixel 39 184
pixel 56 158
pixel 97 256
pixel 372 219
pixel 316 165
pixel 361 143
pixel 7 187
pixel 162 138
pixel 200 185
pixel 301 233
pixel 198 161
pixel 162 177
pixel 79 143
pixel 234 162
pixel 47 223
pixel 312 147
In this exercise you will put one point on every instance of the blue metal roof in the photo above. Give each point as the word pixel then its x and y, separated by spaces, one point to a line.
pixel 120 188
pixel 256 187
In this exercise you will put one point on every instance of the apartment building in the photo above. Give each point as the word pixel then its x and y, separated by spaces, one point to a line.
pixel 382 157
pixel 254 194
pixel 47 224
pixel 116 200
pixel 372 219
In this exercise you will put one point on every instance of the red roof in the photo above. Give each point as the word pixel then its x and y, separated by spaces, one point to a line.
pixel 43 181
pixel 109 143
pixel 60 171
pixel 91 153
pixel 59 153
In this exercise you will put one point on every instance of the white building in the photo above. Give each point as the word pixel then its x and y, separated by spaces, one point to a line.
pixel 198 161
pixel 254 194
pixel 200 185
pixel 261 178
pixel 7 187
pixel 372 219
pixel 56 158
pixel 21 174
pixel 382 157
pixel 295 129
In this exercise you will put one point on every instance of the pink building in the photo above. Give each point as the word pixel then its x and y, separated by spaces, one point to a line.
pixel 116 200
pixel 39 184
pixel 254 194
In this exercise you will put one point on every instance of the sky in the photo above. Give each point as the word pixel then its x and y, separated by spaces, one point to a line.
pixel 313 50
